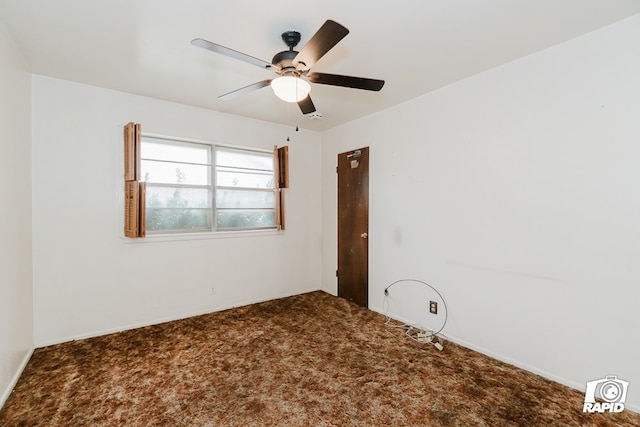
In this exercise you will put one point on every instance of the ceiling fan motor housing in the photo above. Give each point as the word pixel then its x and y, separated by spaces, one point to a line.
pixel 284 60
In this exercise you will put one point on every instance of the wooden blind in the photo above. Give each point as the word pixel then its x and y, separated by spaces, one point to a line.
pixel 132 152
pixel 134 190
pixel 281 176
pixel 280 222
pixel 283 166
pixel 142 206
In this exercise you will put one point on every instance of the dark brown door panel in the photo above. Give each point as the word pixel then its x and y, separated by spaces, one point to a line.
pixel 353 226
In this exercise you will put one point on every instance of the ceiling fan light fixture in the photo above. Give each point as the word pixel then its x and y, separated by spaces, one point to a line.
pixel 290 88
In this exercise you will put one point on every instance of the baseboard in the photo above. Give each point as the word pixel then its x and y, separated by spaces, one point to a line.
pixel 168 319
pixel 562 380
pixel 500 357
pixel 16 376
pixel 521 365
pixel 329 291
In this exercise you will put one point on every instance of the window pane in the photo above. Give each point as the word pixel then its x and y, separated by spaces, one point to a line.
pixel 175 173
pixel 168 197
pixel 245 199
pixel 236 218
pixel 175 151
pixel 244 159
pixel 226 177
pixel 160 219
pixel 180 188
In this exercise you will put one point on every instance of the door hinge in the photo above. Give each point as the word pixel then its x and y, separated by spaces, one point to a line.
pixel 336 273
pixel 336 169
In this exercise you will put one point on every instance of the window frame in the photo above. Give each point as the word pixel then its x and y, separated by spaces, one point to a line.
pixel 214 231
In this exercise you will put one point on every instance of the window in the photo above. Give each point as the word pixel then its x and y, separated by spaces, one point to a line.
pixel 245 196
pixel 195 187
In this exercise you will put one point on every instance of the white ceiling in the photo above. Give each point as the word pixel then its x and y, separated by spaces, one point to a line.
pixel 416 46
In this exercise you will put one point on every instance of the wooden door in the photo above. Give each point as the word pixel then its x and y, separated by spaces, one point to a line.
pixel 353 226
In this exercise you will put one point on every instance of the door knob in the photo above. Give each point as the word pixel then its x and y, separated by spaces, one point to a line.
pixel 364 235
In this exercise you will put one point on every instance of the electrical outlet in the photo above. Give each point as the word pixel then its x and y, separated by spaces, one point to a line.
pixel 213 291
pixel 433 307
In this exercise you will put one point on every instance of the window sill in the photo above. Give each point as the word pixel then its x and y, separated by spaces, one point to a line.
pixel 182 237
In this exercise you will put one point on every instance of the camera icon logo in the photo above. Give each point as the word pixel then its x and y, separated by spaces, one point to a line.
pixel 611 389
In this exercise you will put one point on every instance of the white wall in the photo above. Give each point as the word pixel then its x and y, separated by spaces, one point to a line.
pixel 16 296
pixel 517 194
pixel 88 280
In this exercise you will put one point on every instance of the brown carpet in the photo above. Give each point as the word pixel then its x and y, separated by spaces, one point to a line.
pixel 307 360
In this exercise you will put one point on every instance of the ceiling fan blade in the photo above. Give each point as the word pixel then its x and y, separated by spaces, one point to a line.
pixel 306 105
pixel 322 41
pixel 244 90
pixel 213 47
pixel 346 81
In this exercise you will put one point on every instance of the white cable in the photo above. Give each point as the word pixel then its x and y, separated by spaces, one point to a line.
pixel 422 336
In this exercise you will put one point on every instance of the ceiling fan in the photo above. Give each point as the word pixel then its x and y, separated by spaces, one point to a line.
pixel 294 68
